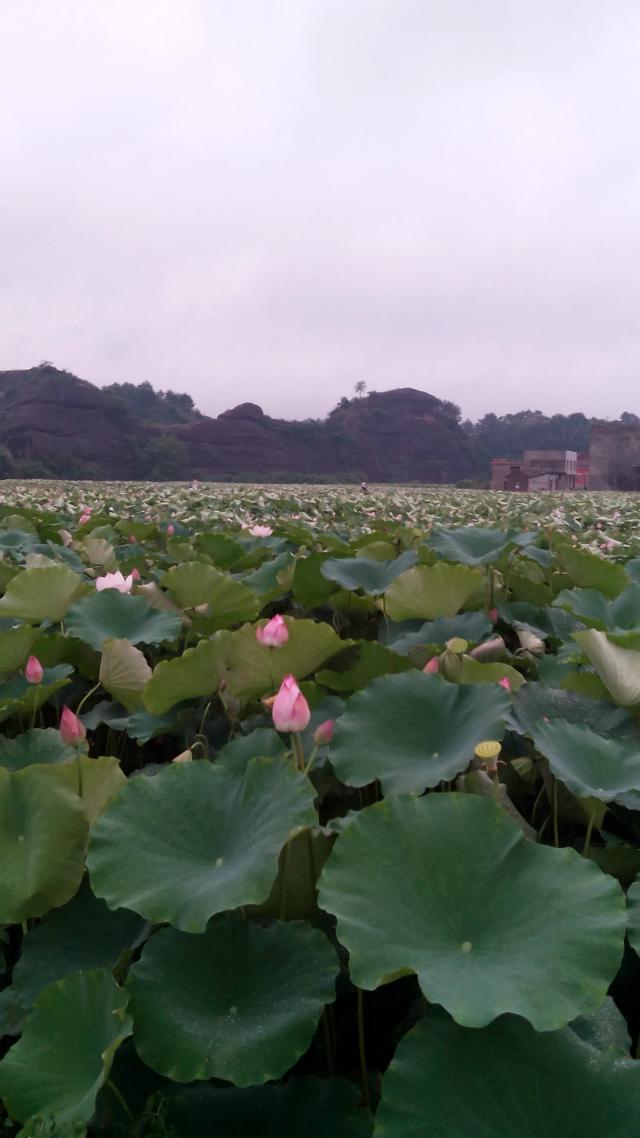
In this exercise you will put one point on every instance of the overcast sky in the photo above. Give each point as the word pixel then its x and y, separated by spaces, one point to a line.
pixel 270 200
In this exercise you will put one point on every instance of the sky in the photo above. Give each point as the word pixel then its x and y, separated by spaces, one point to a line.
pixel 271 200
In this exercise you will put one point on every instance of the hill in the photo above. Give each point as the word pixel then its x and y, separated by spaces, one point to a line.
pixel 54 423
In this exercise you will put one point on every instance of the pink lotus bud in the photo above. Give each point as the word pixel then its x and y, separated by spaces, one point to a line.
pixel 135 573
pixel 493 616
pixel 323 734
pixel 290 709
pixel 274 633
pixel 84 518
pixel 72 731
pixel 432 666
pixel 260 531
pixel 171 529
pixel 115 581
pixel 505 683
pixel 33 671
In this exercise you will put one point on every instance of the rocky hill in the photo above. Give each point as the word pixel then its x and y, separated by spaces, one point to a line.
pixel 51 421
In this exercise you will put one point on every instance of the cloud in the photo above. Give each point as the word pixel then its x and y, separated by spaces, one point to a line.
pixel 272 201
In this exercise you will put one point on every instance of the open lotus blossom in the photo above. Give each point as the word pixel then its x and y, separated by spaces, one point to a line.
pixel 260 531
pixel 274 633
pixel 115 581
pixel 432 666
pixel 72 731
pixel 33 671
pixel 290 709
pixel 323 734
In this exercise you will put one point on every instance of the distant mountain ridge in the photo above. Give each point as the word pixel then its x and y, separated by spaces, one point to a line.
pixel 54 423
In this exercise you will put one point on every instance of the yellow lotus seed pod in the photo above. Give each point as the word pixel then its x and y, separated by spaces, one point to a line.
pixel 488 749
pixel 457 645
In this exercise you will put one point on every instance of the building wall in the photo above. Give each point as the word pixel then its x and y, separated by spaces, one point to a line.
pixel 614 452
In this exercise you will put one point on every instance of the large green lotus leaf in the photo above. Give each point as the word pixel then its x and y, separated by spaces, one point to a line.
pixel 42 594
pixel 317 1108
pixel 111 615
pixel 588 571
pixel 35 746
pixel 587 764
pixel 194 583
pixel 264 741
pixel 371 660
pixel 63 1058
pixel 448 887
pixel 239 1003
pixel 267 582
pixel 475 672
pixel 605 1029
pixel 254 670
pixel 294 889
pixel 470 545
pixel 197 672
pixel 309 587
pixel 429 591
pixel 549 1085
pixel 470 626
pixel 124 672
pixel 96 781
pixel 199 824
pixel 19 697
pixel 373 576
pixel 140 726
pixel 98 551
pixel 618 668
pixel 43 833
pixel 413 731
pixel 223 551
pixel 15 646
pixel 82 935
pixel 619 616
pixel 590 605
pixel 534 702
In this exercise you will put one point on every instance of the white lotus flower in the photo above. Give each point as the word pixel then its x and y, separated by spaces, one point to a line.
pixel 115 581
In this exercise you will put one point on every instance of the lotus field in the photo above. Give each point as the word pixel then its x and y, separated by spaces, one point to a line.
pixel 319 812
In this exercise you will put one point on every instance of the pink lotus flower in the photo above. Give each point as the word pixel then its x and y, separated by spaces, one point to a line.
pixel 72 731
pixel 323 734
pixel 171 529
pixel 505 683
pixel 432 666
pixel 33 671
pixel 290 709
pixel 135 573
pixel 115 581
pixel 493 616
pixel 260 531
pixel 85 517
pixel 274 633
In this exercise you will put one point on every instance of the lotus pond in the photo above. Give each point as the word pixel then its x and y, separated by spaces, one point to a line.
pixel 319 812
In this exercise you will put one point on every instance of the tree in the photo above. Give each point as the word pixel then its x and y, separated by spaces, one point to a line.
pixel 165 458
pixel 6 463
pixel 360 387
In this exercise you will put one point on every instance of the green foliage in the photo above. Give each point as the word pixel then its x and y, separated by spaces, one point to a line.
pixel 165 458
pixel 407 922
